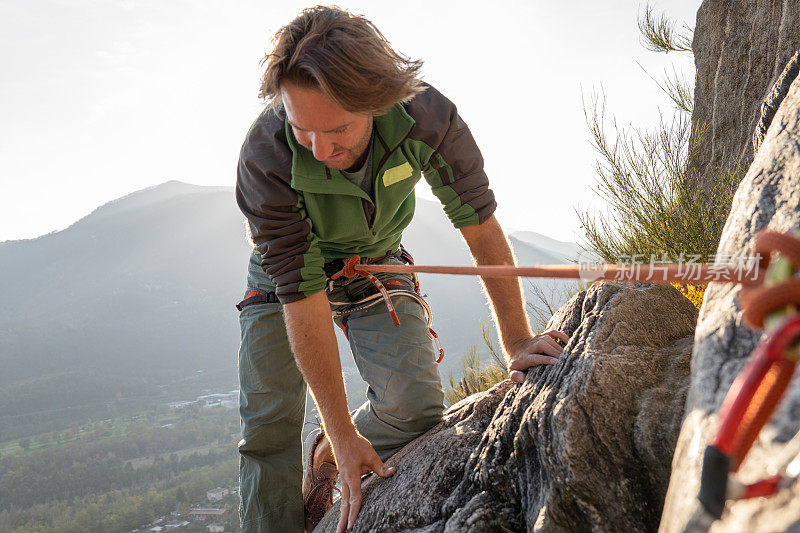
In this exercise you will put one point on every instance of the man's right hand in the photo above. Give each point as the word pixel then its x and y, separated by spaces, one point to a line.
pixel 310 330
pixel 355 457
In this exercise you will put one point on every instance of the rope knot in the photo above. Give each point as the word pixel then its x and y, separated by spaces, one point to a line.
pixel 349 269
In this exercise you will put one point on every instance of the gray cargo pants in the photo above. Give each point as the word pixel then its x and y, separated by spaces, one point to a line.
pixel 404 394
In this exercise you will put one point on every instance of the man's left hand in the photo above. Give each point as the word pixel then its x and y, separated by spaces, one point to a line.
pixel 533 351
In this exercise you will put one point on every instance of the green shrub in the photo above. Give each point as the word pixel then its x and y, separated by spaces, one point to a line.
pixel 477 377
pixel 657 204
pixel 548 301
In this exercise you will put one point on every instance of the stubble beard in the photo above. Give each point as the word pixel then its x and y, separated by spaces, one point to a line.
pixel 355 155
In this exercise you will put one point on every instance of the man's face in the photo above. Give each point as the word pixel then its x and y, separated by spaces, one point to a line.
pixel 336 137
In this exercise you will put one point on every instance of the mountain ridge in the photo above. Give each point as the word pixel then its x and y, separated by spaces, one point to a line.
pixel 145 285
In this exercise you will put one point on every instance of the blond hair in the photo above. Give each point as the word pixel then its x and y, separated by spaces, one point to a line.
pixel 343 55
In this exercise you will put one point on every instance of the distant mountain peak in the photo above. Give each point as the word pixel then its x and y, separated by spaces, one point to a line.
pixel 564 250
pixel 149 196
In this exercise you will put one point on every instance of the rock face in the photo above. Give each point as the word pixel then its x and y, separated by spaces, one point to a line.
pixel 740 47
pixel 769 196
pixel 581 445
pixel 774 99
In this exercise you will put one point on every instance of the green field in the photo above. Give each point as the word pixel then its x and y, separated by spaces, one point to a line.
pixel 116 474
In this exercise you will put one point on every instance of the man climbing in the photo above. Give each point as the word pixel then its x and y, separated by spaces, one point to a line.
pixel 328 171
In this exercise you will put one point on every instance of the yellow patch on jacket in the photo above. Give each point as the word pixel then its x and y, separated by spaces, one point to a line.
pixel 398 173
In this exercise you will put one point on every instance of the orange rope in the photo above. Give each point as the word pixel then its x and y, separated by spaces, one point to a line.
pixel 757 301
pixel 695 273
pixel 760 301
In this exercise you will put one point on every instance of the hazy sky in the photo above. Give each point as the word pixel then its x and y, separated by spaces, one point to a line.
pixel 99 98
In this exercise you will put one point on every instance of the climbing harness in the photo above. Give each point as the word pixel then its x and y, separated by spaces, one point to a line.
pixel 334 271
pixel 257 296
pixel 385 294
pixel 758 389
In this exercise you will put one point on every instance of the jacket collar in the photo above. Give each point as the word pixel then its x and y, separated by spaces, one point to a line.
pixel 308 174
pixel 394 126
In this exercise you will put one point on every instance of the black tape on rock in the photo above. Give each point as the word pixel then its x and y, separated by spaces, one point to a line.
pixel 714 481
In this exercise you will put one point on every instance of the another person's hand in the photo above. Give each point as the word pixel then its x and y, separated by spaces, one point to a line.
pixel 355 456
pixel 533 351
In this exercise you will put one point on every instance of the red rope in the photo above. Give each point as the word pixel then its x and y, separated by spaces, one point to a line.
pixel 765 487
pixel 755 393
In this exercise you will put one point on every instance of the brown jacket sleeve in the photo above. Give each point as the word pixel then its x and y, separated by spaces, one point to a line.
pixel 274 211
pixel 455 167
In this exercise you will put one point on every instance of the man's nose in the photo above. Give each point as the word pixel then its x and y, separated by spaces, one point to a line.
pixel 321 147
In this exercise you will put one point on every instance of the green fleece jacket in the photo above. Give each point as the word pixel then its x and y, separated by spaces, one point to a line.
pixel 302 214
